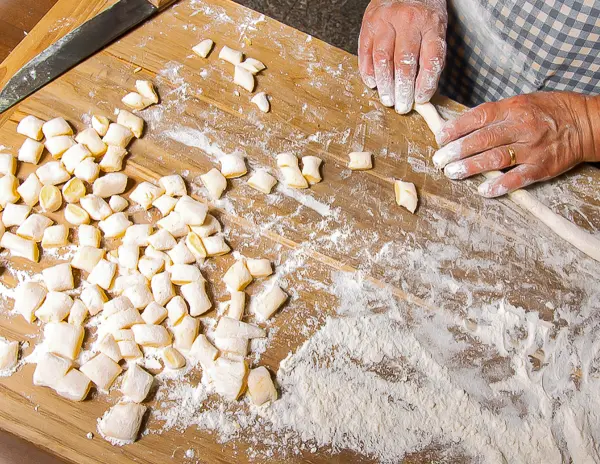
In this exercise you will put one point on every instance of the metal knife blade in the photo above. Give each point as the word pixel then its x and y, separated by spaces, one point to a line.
pixel 75 47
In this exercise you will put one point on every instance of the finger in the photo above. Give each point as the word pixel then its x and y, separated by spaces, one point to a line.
pixel 516 178
pixel 431 64
pixel 406 54
pixel 491 160
pixel 476 118
pixel 383 56
pixel 479 141
pixel 365 56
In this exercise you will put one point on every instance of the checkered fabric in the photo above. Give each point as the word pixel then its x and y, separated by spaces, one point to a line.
pixel 501 48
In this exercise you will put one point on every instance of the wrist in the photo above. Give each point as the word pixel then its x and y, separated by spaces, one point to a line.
pixel 591 130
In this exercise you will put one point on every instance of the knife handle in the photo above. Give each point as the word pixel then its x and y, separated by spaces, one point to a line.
pixel 162 4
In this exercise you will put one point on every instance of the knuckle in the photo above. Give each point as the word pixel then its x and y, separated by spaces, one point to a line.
pixel 381 55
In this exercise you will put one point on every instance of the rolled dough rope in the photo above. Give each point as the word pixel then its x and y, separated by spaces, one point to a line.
pixel 561 226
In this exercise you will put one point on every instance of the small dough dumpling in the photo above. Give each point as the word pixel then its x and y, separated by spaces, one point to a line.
pixel 192 212
pixel 30 190
pixel 136 383
pixel 244 78
pixel 165 204
pixel 115 225
pixel 230 55
pixel 74 386
pixel 19 246
pixel 269 302
pixel 238 276
pixel 101 370
pixel 52 173
pixel 56 146
pixel 133 122
pixel 112 183
pixel 58 278
pixel 292 177
pixel 146 89
pixel 55 127
pixel 74 156
pixel 9 355
pixel 112 161
pixel 259 267
pixel 253 65
pixel 55 236
pixel 29 296
pixel 89 236
pixel 122 422
pixel 260 386
pixel 262 181
pixel 96 207
pixel 100 124
pixel 233 166
pixel 63 339
pixel 74 190
pixel 310 169
pixel 360 161
pixel 91 139
pixel 76 215
pixel 118 135
pixel 173 185
pixel 262 101
pixel 50 198
pixel 31 151
pixel 87 170
pixel 117 203
pixel 210 227
pixel 34 226
pixel 8 164
pixel 215 245
pixel 31 127
pixel 134 101
pixel 406 195
pixel 203 48
pixel 214 182
pixel 146 193
pixel 8 190
pixel 14 215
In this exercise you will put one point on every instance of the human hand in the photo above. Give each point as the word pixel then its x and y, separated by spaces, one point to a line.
pixel 548 133
pixel 395 37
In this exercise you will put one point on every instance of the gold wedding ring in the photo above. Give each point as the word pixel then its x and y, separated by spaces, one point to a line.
pixel 513 156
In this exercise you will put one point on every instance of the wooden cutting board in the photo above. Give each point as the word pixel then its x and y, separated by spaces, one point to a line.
pixel 346 223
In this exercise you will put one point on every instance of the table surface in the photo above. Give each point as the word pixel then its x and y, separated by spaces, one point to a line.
pixel 456 250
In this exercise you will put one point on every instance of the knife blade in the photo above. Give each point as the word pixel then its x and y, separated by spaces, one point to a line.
pixel 76 46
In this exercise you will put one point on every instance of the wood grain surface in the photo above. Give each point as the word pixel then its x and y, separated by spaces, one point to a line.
pixel 319 107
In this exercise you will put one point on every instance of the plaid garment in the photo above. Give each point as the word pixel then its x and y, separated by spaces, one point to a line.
pixel 501 48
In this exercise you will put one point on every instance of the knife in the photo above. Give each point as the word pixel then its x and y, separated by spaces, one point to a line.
pixel 76 46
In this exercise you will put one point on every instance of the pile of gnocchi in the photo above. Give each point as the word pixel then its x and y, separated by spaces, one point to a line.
pixel 149 291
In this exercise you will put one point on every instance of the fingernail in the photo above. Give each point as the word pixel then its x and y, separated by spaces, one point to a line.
pixel 405 95
pixel 456 170
pixel 447 154
pixel 403 107
pixel 421 99
pixel 370 82
pixel 491 189
pixel 387 100
pixel 485 189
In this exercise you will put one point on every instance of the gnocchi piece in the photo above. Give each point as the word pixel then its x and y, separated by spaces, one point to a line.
pixel 14 215
pixel 78 313
pixel 74 156
pixel 150 266
pixel 9 355
pixel 2 230
pixel 31 151
pixel 96 207
pixel 182 274
pixel 87 257
pixel 185 333
pixel 120 303
pixel 115 225
pixel 139 295
pixel 123 335
pixel 154 313
pixel 30 190
pixel 162 240
pixel 109 346
pixel 55 236
pixel 269 302
pixel 122 422
pixel 228 327
pixel 102 274
pixel 55 307
pixel 129 255
pixel 145 193
pixel 228 376
pixel 233 166
pixel 172 358
pixel 196 297
pixel 162 291
pixel 29 296
pixel 155 254
pixel 310 169
pixel 74 386
pixel 93 297
pixel 215 183
pixel 133 122
pixel 101 370
pixel 87 170
pixel 76 215
pixel 50 370
pixel 192 212
pixel 112 161
pixel 50 198
pixel 8 190
pixel 58 278
pixel 33 227
pixel 100 124
pixel 194 244
pixel 136 383
pixel 121 320
pixel 215 245
pixel 260 386
pixel 8 164
pixel 176 309
pixel 89 236
pixel 261 101
pixel 93 142
pixel 203 351
pixel 151 335
pixel 360 161
pixel 146 90
pixel 19 246
pixel 210 227
pixel 117 203
pixel 165 204
pixel 237 303
pixel 253 65
pixel 173 185
pixel 230 55
pixel 118 135
pixel 56 126
pixel 58 145
pixel 52 173
pixel 63 339
pixel 174 224
pixel 244 78
pixel 203 48
pixel 135 101
pixel 233 347
pixel 237 277
pixel 406 195
pixel 138 234
pixel 262 181
pixel 31 127
pixel 110 184
pixel 287 160
pixel 293 178
pixel 259 267
pixel 73 190
pixel 130 350
pixel 180 254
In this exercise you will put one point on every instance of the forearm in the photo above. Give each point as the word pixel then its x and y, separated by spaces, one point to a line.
pixel 591 130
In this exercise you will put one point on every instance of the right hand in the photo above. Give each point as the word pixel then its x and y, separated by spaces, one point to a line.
pixel 395 37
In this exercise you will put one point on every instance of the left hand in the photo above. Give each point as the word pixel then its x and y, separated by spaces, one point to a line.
pixel 548 133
